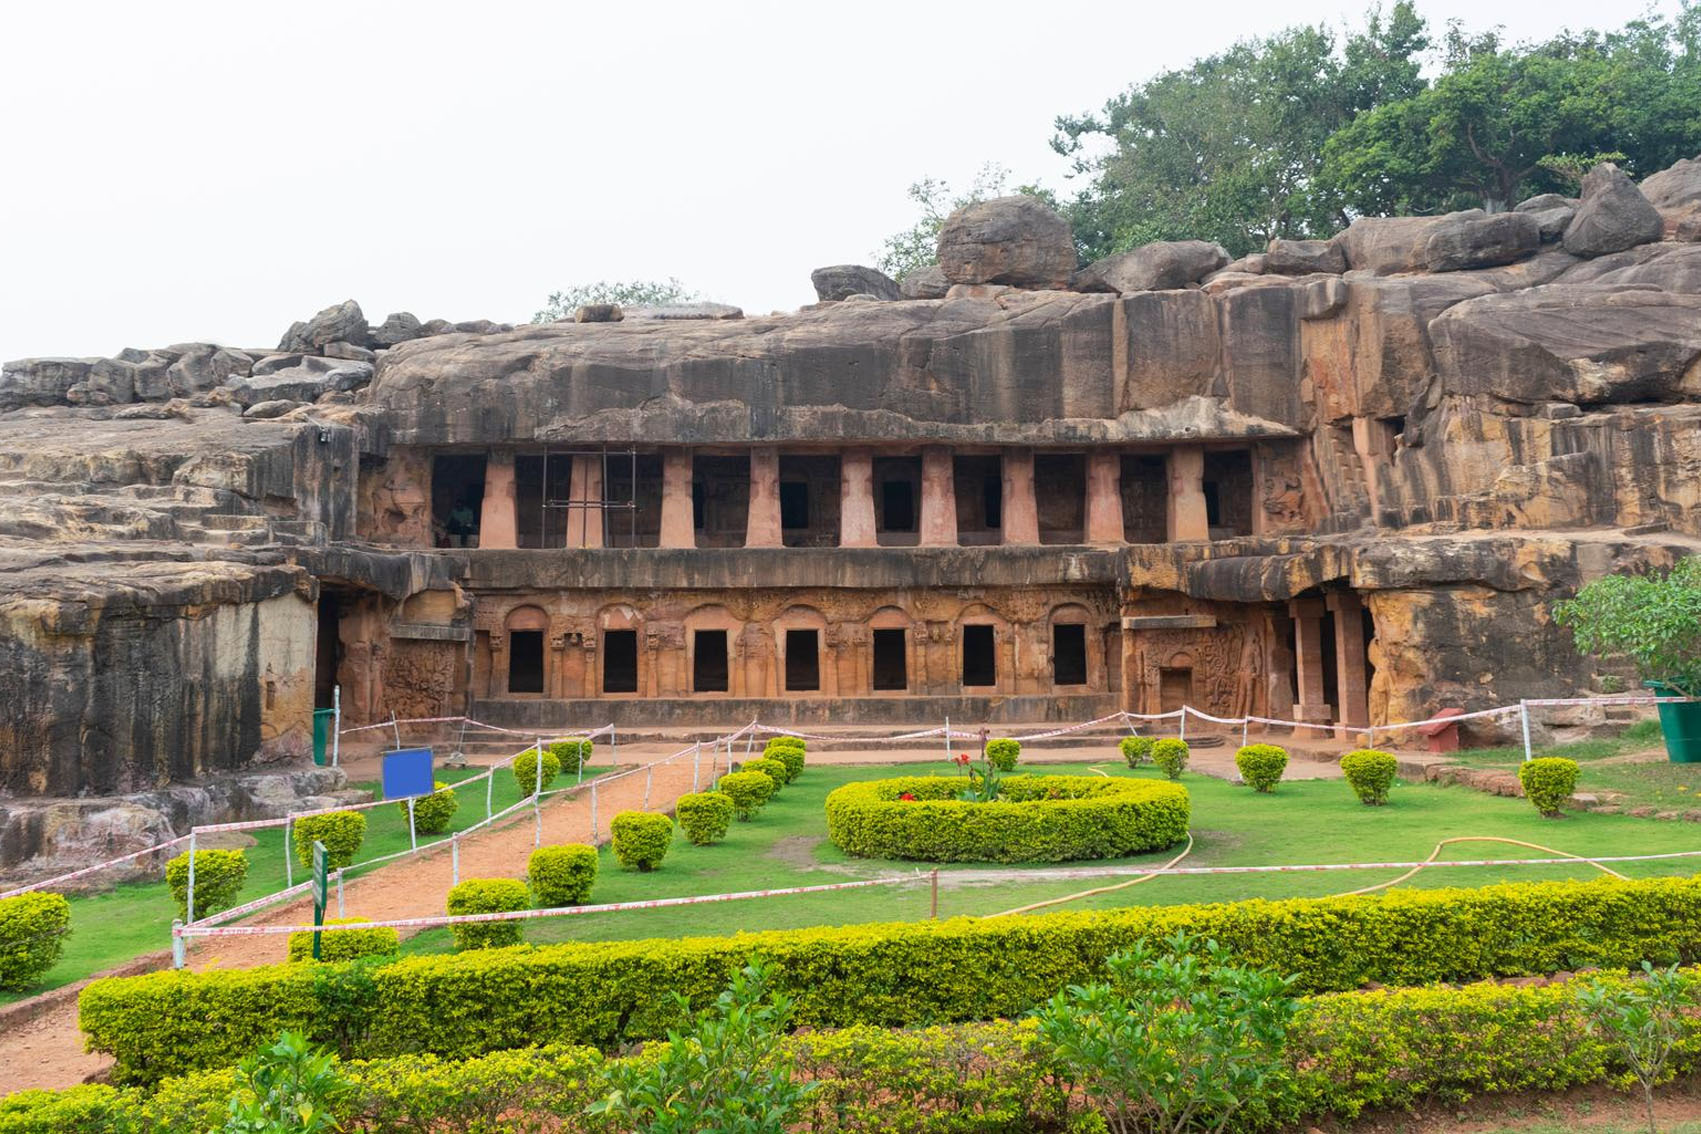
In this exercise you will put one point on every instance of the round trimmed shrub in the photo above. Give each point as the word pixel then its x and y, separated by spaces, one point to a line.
pixel 561 875
pixel 641 838
pixel 342 832
pixel 796 742
pixel 346 945
pixel 704 816
pixel 219 875
pixel 1136 750
pixel 1003 753
pixel 769 767
pixel 526 771
pixel 1261 765
pixel 487 895
pixel 791 756
pixel 571 755
pixel 749 791
pixel 33 928
pixel 1370 773
pixel 431 813
pixel 1170 755
pixel 1549 783
pixel 1035 819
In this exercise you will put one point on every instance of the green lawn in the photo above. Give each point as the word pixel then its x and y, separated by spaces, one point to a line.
pixel 1651 783
pixel 1302 822
pixel 128 921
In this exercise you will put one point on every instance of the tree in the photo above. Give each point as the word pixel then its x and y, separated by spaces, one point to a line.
pixel 918 246
pixel 1229 148
pixel 627 293
pixel 1653 619
pixel 1501 123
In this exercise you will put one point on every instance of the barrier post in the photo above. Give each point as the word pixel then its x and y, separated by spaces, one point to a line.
pixel 454 858
pixel 189 904
pixel 583 758
pixel 413 834
pixel 649 775
pixel 947 740
pixel 289 866
pixel 1183 732
pixel 177 942
pixel 341 908
pixel 396 727
pixel 933 912
pixel 696 763
pixel 593 813
pixel 336 723
pixel 613 747
pixel 1524 712
pixel 1245 725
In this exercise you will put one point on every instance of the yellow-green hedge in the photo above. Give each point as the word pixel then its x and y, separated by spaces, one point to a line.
pixel 604 993
pixel 33 928
pixel 347 944
pixel 1351 1052
pixel 1035 819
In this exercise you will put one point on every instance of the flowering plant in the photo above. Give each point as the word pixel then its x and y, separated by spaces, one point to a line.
pixel 983 780
pixel 906 797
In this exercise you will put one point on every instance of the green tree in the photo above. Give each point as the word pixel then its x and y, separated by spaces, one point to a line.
pixel 918 245
pixel 627 293
pixel 1229 148
pixel 287 1088
pixel 1653 619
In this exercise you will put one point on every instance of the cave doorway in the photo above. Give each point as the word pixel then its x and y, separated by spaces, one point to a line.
pixel 457 498
pixel 708 661
pixel 525 661
pixel 891 661
pixel 980 657
pixel 619 661
pixel 1069 654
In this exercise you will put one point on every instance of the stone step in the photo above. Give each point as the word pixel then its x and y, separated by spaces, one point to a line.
pixel 234 522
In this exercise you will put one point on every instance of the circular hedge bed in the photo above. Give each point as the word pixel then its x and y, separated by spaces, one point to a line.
pixel 1035 819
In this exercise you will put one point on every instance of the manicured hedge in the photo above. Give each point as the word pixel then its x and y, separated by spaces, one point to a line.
pixel 641 838
pixel 348 944
pixel 1170 755
pixel 486 895
pixel 219 876
pixel 570 755
pixel 1261 765
pixel 749 791
pixel 33 928
pixel 704 816
pixel 431 813
pixel 1135 749
pixel 776 770
pixel 604 993
pixel 561 875
pixel 791 755
pixel 1035 819
pixel 1004 753
pixel 1351 1052
pixel 1548 783
pixel 342 832
pixel 528 778
pixel 1370 773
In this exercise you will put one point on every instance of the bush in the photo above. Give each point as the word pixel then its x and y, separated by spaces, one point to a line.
pixel 561 875
pixel 641 838
pixel 219 875
pixel 526 771
pixel 1170 755
pixel 1261 765
pixel 789 755
pixel 1549 783
pixel 748 790
pixel 705 816
pixel 1003 753
pixel 779 743
pixel 346 944
pixel 342 832
pixel 571 755
pixel 486 895
pixel 33 928
pixel 1370 774
pixel 611 992
pixel 773 769
pixel 431 813
pixel 1136 750
pixel 1035 819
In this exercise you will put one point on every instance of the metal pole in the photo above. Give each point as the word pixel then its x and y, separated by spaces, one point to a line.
pixel 176 943
pixel 696 764
pixel 537 793
pixel 947 739
pixel 337 721
pixel 649 775
pixel 934 912
pixel 1245 723
pixel 489 785
pixel 189 903
pixel 454 858
pixel 289 866
pixel 613 748
pixel 593 813
pixel 341 908
pixel 1524 712
pixel 396 727
pixel 1183 733
pixel 413 834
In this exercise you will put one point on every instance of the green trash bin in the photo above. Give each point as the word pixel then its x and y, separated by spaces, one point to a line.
pixel 1681 723
pixel 324 720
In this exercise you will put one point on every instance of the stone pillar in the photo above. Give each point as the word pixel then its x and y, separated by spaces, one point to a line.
pixel 856 498
pixel 1307 615
pixel 498 526
pixel 1352 686
pixel 938 498
pixel 584 517
pixel 1104 496
pixel 1021 514
pixel 1278 667
pixel 678 528
pixel 762 528
pixel 1187 520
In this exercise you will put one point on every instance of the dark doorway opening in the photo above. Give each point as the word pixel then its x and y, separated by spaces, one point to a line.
pixel 1175 689
pixel 1228 493
pixel 325 658
pixel 619 661
pixel 891 662
pixel 978 483
pixel 809 500
pixel 980 661
pixel 803 660
pixel 457 499
pixel 1069 654
pixel 541 488
pixel 794 505
pixel 708 661
pixel 897 498
pixel 1145 499
pixel 720 498
pixel 640 525
pixel 1060 494
pixel 897 492
pixel 525 661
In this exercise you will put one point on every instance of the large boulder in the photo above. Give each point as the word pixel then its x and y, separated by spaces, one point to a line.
pixel 1304 257
pixel 41 381
pixel 1385 246
pixel 398 327
pixel 1613 215
pixel 924 283
pixel 1460 241
pixel 1163 265
pixel 1676 194
pixel 1542 202
pixel 342 322
pixel 840 281
pixel 1008 240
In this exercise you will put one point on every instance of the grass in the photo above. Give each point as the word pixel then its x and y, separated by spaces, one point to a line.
pixel 133 919
pixel 1654 782
pixel 1304 821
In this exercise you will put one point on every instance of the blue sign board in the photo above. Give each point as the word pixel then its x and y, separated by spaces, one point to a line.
pixel 407 771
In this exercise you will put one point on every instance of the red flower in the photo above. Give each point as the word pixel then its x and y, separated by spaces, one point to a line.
pixel 907 797
pixel 963 759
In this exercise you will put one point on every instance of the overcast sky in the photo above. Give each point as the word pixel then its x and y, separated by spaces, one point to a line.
pixel 178 172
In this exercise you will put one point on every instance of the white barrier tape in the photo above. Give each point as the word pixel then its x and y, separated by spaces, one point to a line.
pixel 93 869
pixel 257 904
pixel 1155 716
pixel 467 721
pixel 1331 866
pixel 1069 728
pixel 1213 720
pixel 1624 700
pixel 1495 712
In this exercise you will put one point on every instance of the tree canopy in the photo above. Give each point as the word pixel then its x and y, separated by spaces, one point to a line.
pixel 918 246
pixel 627 293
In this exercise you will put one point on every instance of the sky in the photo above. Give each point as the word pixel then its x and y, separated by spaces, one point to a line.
pixel 178 172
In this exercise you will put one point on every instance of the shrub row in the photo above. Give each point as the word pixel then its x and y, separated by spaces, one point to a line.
pixel 347 944
pixel 1035 819
pixel 896 974
pixel 1351 1052
pixel 33 928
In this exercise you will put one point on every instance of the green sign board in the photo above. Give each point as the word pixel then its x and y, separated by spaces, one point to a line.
pixel 321 891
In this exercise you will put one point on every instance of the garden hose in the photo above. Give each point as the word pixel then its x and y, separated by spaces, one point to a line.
pixel 1475 839
pixel 1188 849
